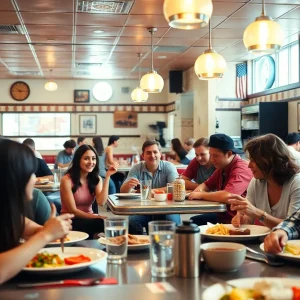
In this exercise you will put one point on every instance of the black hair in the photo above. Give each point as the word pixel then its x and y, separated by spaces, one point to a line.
pixel 150 143
pixel 112 139
pixel 178 148
pixel 30 143
pixel 69 144
pixel 98 145
pixel 80 139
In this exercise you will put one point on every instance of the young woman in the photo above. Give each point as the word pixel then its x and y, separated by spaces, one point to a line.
pixel 81 186
pixel 274 192
pixel 17 167
pixel 179 152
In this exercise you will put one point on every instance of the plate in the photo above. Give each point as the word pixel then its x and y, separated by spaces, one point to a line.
pixel 216 291
pixel 94 254
pixel 286 255
pixel 255 232
pixel 103 241
pixel 128 195
pixel 43 182
pixel 74 236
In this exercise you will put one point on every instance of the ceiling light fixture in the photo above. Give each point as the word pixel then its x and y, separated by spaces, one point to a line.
pixel 98 31
pixel 50 85
pixel 187 14
pixel 263 35
pixel 210 64
pixel 138 95
pixel 152 82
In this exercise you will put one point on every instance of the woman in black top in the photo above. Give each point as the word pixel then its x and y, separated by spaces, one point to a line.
pixel 180 152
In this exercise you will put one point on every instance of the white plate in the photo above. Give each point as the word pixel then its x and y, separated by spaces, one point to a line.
pixel 74 236
pixel 216 291
pixel 128 195
pixel 255 232
pixel 103 241
pixel 94 254
pixel 43 182
pixel 287 255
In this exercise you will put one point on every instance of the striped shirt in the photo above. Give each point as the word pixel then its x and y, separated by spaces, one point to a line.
pixel 291 225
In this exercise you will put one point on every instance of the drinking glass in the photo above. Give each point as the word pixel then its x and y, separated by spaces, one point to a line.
pixel 145 187
pixel 161 248
pixel 116 234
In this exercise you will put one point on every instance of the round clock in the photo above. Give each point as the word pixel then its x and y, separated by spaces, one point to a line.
pixel 265 73
pixel 20 91
pixel 102 91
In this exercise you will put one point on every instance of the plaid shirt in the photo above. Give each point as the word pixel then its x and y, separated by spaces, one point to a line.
pixel 291 225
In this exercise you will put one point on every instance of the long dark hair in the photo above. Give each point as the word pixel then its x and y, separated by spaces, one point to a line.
pixel 98 145
pixel 17 164
pixel 273 157
pixel 178 148
pixel 112 139
pixel 74 171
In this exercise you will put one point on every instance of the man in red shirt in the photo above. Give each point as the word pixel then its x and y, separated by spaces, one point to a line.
pixel 232 176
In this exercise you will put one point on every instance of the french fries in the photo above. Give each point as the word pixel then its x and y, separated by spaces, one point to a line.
pixel 218 229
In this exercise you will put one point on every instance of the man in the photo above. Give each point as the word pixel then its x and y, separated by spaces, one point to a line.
pixel 293 142
pixel 65 157
pixel 232 176
pixel 160 172
pixel 200 168
pixel 43 171
pixel 81 140
pixel 188 146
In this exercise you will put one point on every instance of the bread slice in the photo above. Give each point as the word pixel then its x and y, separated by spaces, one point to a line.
pixel 239 231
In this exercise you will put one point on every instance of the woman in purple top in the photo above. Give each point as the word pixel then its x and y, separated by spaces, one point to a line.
pixel 81 186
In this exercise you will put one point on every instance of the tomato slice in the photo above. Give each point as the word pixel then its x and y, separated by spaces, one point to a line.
pixel 73 260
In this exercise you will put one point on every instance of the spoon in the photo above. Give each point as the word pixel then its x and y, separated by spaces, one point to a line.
pixel 263 258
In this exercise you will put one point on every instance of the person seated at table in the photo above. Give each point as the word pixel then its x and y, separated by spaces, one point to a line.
pixel 289 229
pixel 81 186
pixel 232 176
pixel 188 147
pixel 160 172
pixel 274 192
pixel 293 142
pixel 81 140
pixel 65 157
pixel 200 168
pixel 180 153
pixel 17 166
pixel 98 145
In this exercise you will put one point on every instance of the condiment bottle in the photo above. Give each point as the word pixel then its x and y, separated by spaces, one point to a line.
pixel 187 249
pixel 179 190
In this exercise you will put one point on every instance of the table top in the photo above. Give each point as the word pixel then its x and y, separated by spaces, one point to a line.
pixel 138 207
pixel 126 168
pixel 50 187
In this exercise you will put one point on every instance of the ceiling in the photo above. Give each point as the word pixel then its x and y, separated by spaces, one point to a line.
pixel 57 36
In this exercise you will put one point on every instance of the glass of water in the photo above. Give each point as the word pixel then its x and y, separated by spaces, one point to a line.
pixel 116 234
pixel 161 248
pixel 145 186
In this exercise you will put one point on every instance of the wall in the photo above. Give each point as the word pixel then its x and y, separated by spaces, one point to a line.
pixel 226 85
pixel 229 122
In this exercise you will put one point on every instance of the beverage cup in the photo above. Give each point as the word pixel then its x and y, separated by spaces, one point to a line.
pixel 170 191
pixel 145 186
pixel 162 248
pixel 116 234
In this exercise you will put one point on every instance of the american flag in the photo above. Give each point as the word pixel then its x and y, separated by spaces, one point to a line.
pixel 241 80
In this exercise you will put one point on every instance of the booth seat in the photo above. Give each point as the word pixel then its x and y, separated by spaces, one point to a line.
pixel 49 159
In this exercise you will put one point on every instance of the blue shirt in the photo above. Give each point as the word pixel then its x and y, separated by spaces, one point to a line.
pixel 63 158
pixel 165 173
pixel 291 225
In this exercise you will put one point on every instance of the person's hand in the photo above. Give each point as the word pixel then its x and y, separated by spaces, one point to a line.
pixel 197 189
pixel 113 168
pixel 275 241
pixel 133 182
pixel 243 206
pixel 195 195
pixel 101 217
pixel 236 220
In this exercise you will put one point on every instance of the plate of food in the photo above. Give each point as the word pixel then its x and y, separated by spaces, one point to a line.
pixel 227 232
pixel 51 261
pixel 42 181
pixel 128 195
pixel 290 252
pixel 254 288
pixel 135 242
pixel 72 238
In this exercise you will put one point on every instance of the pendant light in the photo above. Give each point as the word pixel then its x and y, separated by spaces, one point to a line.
pixel 210 64
pixel 138 95
pixel 50 85
pixel 187 14
pixel 152 82
pixel 263 35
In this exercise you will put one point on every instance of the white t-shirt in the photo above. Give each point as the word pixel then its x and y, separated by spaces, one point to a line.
pixel 191 154
pixel 288 203
pixel 295 155
pixel 38 155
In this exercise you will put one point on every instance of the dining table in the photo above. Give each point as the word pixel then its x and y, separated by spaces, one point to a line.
pixel 135 280
pixel 127 168
pixel 49 187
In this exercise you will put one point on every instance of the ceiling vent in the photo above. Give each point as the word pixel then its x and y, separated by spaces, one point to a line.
pixel 27 73
pixel 105 6
pixel 11 29
pixel 87 65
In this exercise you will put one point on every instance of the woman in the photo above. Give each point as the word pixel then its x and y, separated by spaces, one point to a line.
pixel 81 186
pixel 180 153
pixel 98 145
pixel 274 192
pixel 17 167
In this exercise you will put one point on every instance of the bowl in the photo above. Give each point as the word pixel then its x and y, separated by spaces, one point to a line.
pixel 223 257
pixel 160 197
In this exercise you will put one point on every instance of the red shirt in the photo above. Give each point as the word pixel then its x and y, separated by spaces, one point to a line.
pixel 236 181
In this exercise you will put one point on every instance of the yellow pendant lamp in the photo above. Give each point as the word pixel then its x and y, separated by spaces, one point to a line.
pixel 210 64
pixel 50 85
pixel 187 14
pixel 263 35
pixel 152 82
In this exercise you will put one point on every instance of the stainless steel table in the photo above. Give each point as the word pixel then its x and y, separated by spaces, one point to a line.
pixel 138 207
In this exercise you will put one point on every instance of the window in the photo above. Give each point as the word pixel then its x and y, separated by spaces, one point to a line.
pixel 283 66
pixel 294 63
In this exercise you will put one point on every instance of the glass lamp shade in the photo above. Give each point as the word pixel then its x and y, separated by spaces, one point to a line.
pixel 50 86
pixel 187 14
pixel 138 95
pixel 263 35
pixel 210 65
pixel 152 82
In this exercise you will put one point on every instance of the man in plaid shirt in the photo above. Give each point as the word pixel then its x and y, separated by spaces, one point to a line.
pixel 287 230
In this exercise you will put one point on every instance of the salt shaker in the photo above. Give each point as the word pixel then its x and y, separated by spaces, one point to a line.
pixel 187 249
pixel 179 190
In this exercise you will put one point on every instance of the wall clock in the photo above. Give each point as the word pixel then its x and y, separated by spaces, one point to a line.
pixel 19 90
pixel 265 73
pixel 102 91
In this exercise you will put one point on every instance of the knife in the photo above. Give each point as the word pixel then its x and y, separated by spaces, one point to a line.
pixel 62 245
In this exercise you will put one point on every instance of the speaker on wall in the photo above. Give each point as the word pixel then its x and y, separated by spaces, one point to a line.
pixel 175 82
